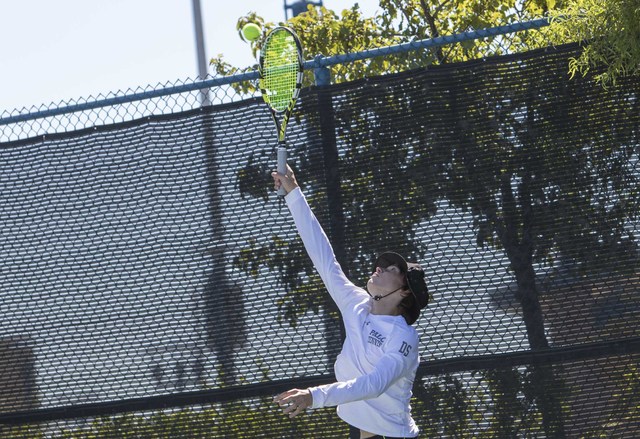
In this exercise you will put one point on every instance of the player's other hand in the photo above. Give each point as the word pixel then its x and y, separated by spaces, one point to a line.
pixel 294 401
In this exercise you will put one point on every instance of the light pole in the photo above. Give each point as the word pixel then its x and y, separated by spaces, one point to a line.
pixel 200 51
pixel 219 290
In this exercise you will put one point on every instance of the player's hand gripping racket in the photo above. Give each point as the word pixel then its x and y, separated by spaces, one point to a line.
pixel 280 82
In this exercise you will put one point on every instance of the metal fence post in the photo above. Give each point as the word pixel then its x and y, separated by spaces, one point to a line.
pixel 322 76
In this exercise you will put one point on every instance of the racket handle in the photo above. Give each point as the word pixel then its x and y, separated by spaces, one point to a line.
pixel 282 166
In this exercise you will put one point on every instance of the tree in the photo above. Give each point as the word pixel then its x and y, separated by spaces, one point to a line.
pixel 610 33
pixel 608 29
pixel 324 32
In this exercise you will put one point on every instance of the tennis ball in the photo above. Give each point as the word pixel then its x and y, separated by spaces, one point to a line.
pixel 251 31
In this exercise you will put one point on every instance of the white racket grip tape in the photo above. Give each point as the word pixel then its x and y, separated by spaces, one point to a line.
pixel 282 166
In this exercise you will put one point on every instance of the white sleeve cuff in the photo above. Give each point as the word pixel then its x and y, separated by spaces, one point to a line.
pixel 318 397
pixel 293 196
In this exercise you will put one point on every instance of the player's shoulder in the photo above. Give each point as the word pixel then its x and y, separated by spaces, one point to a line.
pixel 407 331
pixel 351 296
pixel 405 340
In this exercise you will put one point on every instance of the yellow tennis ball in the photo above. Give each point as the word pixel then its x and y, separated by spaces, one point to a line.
pixel 251 31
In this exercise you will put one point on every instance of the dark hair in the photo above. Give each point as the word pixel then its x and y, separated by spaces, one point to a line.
pixel 411 305
pixel 407 304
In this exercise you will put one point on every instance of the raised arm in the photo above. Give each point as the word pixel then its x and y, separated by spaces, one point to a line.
pixel 317 244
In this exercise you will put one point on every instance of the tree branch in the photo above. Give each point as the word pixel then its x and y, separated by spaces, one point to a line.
pixel 433 30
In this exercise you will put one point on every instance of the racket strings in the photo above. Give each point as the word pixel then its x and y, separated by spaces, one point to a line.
pixel 280 72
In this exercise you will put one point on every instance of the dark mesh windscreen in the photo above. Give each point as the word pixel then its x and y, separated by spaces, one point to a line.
pixel 152 284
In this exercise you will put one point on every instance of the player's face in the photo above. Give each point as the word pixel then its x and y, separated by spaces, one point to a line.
pixel 385 279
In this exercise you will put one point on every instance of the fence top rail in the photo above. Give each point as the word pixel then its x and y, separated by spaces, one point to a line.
pixel 316 63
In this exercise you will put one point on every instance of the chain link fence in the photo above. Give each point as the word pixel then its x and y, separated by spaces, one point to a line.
pixel 152 285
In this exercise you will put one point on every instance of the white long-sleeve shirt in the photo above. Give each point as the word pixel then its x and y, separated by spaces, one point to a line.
pixel 377 365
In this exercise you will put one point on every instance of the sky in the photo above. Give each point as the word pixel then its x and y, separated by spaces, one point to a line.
pixel 59 50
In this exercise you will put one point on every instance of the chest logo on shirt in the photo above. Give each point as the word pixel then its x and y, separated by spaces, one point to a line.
pixel 375 338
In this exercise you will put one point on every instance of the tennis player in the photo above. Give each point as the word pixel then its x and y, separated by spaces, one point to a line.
pixel 377 365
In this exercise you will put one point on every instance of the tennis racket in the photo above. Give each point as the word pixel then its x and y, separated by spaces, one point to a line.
pixel 280 82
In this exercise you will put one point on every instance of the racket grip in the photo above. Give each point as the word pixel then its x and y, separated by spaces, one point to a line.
pixel 282 167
